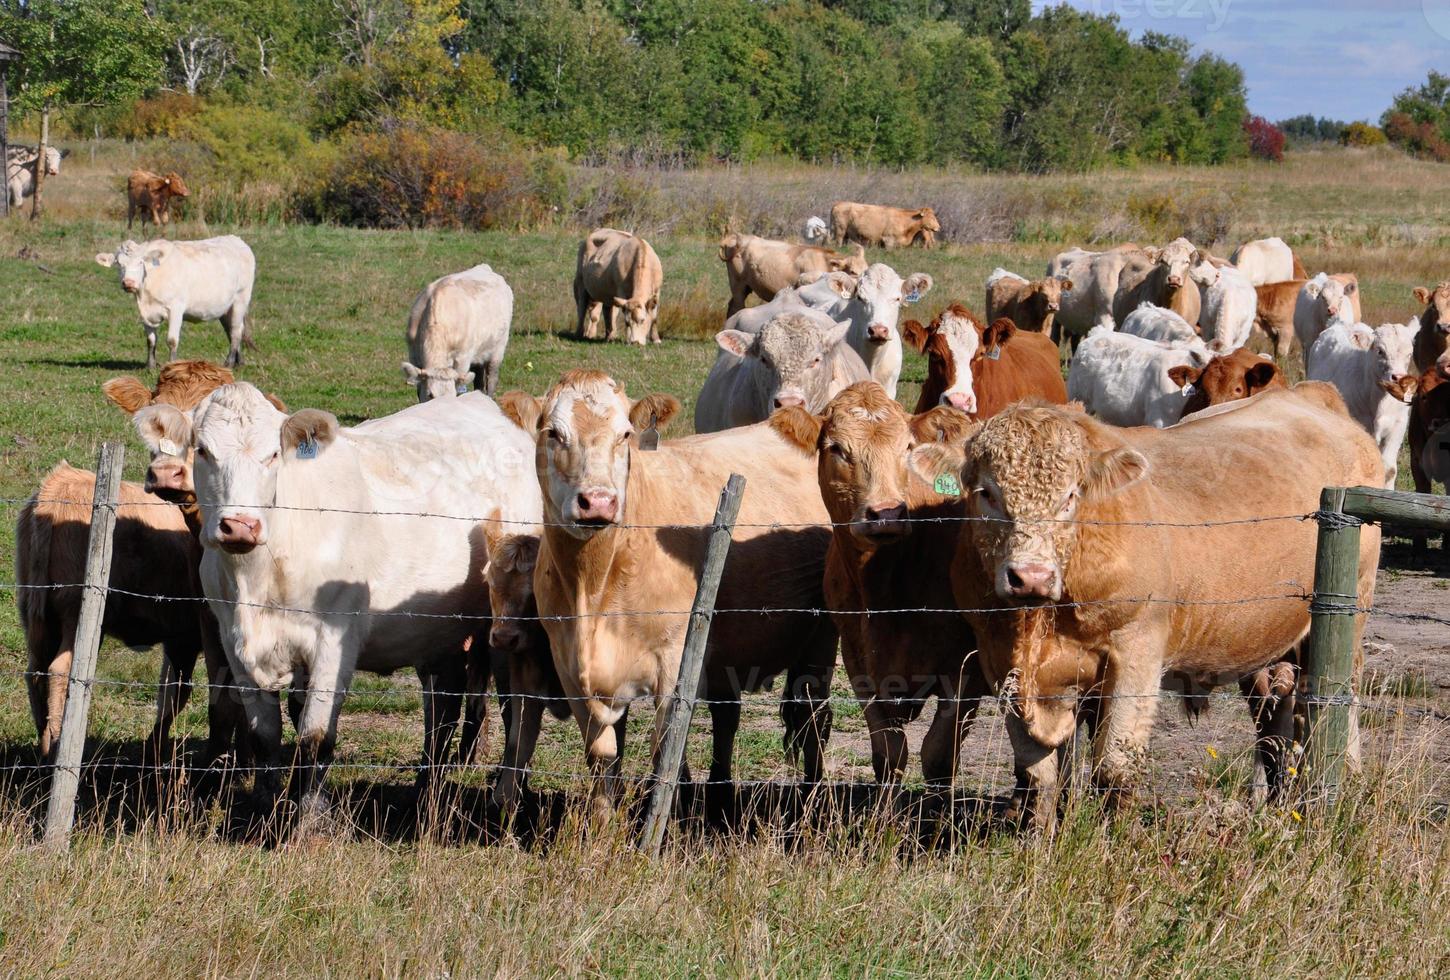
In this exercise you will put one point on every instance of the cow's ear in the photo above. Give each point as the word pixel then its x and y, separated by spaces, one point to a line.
pixel 275 402
pixel 493 533
pixel 943 424
pixel 107 259
pixel 1422 295
pixel 656 410
pixel 1066 283
pixel 835 335
pixel 522 409
pixel 915 335
pixel 1183 375
pixel 938 463
pixel 164 429
pixel 1113 472
pixel 735 342
pixel 312 426
pixel 841 283
pixel 917 285
pixel 411 374
pixel 463 381
pixel 127 394
pixel 1001 331
pixel 1262 375
pixel 798 427
pixel 155 256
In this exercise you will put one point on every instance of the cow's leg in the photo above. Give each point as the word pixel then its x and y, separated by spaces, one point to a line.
pixel 1130 703
pixel 264 726
pixel 173 333
pixel 150 347
pixel 654 324
pixel 130 211
pixel 601 724
pixel 1271 698
pixel 1034 802
pixel 173 691
pixel 956 706
pixel 805 707
pixel 234 329
pixel 888 741
pixel 611 327
pixel 480 666
pixel 520 741
pixel 724 725
pixel 316 738
pixel 485 376
pixel 443 691
pixel 45 645
pixel 226 718
pixel 739 293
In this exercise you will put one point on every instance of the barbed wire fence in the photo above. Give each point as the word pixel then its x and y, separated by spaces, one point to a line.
pixel 1325 689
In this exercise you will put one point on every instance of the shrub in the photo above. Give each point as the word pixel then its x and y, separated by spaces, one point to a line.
pixel 167 115
pixel 1266 141
pixel 1362 134
pixel 1421 139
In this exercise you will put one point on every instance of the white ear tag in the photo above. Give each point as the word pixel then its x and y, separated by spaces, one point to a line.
pixel 1188 390
pixel 169 448
pixel 307 449
pixel 995 354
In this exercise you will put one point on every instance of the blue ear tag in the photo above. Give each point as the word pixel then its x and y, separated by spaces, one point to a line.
pixel 946 484
pixel 1188 391
pixel 307 449
pixel 912 296
pixel 459 388
pixel 995 354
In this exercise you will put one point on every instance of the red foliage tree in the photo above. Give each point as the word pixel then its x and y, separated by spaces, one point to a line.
pixel 1266 141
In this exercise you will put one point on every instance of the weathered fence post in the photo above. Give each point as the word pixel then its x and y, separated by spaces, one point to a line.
pixel 680 709
pixel 65 780
pixel 1329 664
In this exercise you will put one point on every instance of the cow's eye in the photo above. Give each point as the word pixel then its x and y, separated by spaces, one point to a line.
pixel 1069 504
pixel 988 497
pixel 816 360
pixel 839 452
pixel 204 453
pixel 624 436
pixel 556 436
pixel 272 459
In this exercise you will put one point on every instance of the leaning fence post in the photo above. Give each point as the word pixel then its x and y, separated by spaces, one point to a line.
pixel 61 812
pixel 681 708
pixel 1329 664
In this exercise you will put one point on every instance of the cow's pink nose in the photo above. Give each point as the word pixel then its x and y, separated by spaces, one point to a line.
pixel 597 505
pixel 239 534
pixel 128 284
pixel 878 333
pixel 1031 581
pixel 963 401
pixel 1334 311
pixel 162 476
pixel 1175 280
pixel 1052 307
pixel 789 400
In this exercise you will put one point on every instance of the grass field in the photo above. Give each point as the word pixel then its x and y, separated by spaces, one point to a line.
pixel 1207 886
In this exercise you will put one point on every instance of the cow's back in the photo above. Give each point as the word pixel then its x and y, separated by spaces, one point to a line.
pixel 1028 368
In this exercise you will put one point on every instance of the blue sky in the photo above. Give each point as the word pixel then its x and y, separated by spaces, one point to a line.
pixel 1339 58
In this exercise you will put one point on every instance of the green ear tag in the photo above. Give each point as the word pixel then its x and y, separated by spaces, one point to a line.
pixel 946 484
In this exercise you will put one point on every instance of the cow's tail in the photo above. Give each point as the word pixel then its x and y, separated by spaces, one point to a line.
pixel 32 561
pixel 248 341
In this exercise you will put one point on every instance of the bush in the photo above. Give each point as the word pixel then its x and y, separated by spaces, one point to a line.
pixel 1266 141
pixel 1362 134
pixel 1420 139
pixel 167 115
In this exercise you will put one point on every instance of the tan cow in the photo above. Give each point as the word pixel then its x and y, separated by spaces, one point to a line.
pixel 1032 305
pixel 888 227
pixel 618 271
pixel 880 561
pixel 151 194
pixel 624 537
pixel 1097 588
pixel 764 267
pixel 1160 276
pixel 1431 342
pixel 1274 313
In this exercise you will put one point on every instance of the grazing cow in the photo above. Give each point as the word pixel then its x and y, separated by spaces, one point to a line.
pixel 1322 302
pixel 1375 373
pixel 1228 304
pixel 879 561
pixel 1095 277
pixel 1155 323
pixel 458 330
pixel 618 270
pixel 1160 276
pixel 1096 588
pixel 800 357
pixel 1431 341
pixel 888 227
pixel 1228 377
pixel 1031 305
pixel 815 231
pixel 1430 437
pixel 310 577
pixel 151 194
pixel 624 538
pixel 1266 260
pixel 210 279
pixel 20 171
pixel 979 369
pixel 872 303
pixel 1127 380
pixel 764 267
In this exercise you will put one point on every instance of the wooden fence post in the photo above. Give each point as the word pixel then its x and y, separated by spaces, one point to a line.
pixel 1329 664
pixel 65 780
pixel 680 709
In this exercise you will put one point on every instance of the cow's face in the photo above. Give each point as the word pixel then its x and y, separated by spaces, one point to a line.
pixel 587 424
pixel 1437 307
pixel 1330 294
pixel 789 360
pixel 509 573
pixel 437 382
pixel 131 260
pixel 1178 257
pixel 952 345
pixel 1226 378
pixel 1044 299
pixel 175 185
pixel 1205 274
pixel 639 315
pixel 877 297
pixel 1394 357
pixel 166 432
pixel 927 217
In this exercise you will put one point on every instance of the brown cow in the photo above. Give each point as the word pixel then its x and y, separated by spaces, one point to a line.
pixel 1430 436
pixel 981 370
pixel 1032 305
pixel 1226 378
pixel 1430 342
pixel 880 561
pixel 1095 586
pixel 764 267
pixel 1160 276
pixel 1274 314
pixel 888 227
pixel 151 194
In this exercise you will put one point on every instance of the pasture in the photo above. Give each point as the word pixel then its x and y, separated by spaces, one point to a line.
pixel 1197 880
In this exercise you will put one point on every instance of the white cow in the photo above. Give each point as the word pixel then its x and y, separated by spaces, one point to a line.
pixel 1267 260
pixel 457 333
pixel 1322 302
pixel 1229 304
pixel 209 279
pixel 1095 277
pixel 1124 380
pixel 815 231
pixel 1375 372
pixel 872 304
pixel 312 574
pixel 1156 323
pixel 20 171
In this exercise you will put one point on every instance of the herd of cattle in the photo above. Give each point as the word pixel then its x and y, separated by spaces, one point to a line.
pixel 1098 539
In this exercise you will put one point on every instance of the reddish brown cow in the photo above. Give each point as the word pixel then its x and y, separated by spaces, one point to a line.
pixel 981 370
pixel 1227 378
pixel 1431 341
pixel 1275 312
pixel 151 194
pixel 1430 436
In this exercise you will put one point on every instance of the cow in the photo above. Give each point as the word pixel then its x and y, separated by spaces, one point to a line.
pixel 1430 438
pixel 872 304
pixel 1127 380
pixel 1155 323
pixel 1095 277
pixel 1274 305
pixel 1031 305
pixel 210 279
pixel 1322 302
pixel 1227 303
pixel 1160 276
pixel 617 271
pixel 151 195
pixel 20 171
pixel 624 539
pixel 764 267
pixel 313 576
pixel 1228 377
pixel 888 227
pixel 1080 578
pixel 458 331
pixel 981 369
pixel 1431 341
pixel 1375 373
pixel 800 357
pixel 815 231
pixel 880 561
pixel 1266 260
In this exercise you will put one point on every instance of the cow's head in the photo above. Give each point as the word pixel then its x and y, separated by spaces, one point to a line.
pixel 174 185
pixel 926 217
pixel 1044 300
pixel 864 441
pixel 1394 358
pixel 1331 296
pixel 509 574
pixel 1205 274
pixel 955 346
pixel 852 263
pixel 437 382
pixel 641 315
pixel 588 429
pixel 132 259
pixel 1226 378
pixel 1176 258
pixel 876 298
pixel 1437 307
pixel 789 360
